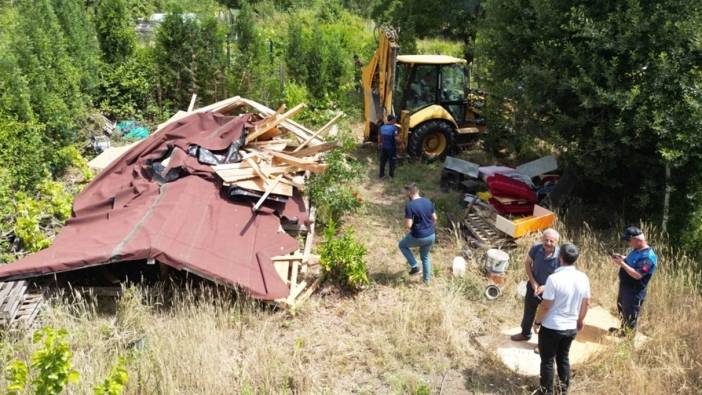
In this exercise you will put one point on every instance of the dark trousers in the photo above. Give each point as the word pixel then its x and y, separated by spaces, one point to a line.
pixel 531 304
pixel 387 155
pixel 629 304
pixel 555 344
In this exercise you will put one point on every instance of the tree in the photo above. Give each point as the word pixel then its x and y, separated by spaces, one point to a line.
pixel 615 86
pixel 52 78
pixel 452 19
pixel 114 31
pixel 81 41
pixel 189 54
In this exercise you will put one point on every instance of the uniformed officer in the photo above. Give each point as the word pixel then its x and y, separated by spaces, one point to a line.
pixel 635 272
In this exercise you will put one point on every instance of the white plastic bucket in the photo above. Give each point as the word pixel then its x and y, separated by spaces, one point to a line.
pixel 459 266
pixel 497 261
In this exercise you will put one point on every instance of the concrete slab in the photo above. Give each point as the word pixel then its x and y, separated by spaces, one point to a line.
pixel 521 358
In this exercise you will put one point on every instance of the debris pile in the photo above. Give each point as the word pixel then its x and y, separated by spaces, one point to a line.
pixel 502 202
pixel 210 192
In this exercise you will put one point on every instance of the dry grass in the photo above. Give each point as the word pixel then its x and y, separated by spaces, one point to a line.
pixel 397 336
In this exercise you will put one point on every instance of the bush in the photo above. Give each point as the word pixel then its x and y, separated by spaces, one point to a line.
pixel 115 381
pixel 343 259
pixel 52 368
pixel 332 191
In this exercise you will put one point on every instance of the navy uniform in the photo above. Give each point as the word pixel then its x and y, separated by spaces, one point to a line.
pixel 632 292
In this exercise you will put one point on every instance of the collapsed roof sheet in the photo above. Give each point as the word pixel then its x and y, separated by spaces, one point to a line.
pixel 125 214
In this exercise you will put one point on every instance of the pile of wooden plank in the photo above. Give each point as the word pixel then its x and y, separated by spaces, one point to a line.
pixel 273 161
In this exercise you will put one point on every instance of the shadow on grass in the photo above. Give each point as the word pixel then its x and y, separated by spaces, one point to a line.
pixel 390 278
pixel 492 377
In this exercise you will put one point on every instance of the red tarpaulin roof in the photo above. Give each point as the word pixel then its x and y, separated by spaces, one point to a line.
pixel 124 214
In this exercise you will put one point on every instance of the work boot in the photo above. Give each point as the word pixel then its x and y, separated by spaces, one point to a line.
pixel 519 338
pixel 413 271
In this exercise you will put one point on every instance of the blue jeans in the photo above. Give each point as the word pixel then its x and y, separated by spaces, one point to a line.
pixel 424 244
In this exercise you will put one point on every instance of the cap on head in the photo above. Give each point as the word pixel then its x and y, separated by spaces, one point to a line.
pixel 632 232
pixel 411 188
pixel 569 253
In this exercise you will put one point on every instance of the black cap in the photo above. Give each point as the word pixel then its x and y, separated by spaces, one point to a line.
pixel 630 232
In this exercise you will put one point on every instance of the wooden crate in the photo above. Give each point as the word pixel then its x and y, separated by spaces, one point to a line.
pixel 541 218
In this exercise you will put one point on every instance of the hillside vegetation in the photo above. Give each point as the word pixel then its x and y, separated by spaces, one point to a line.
pixel 613 88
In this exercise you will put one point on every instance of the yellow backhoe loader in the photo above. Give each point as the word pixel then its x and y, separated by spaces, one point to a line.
pixel 429 94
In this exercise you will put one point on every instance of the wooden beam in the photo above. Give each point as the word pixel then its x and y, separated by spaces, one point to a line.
pixel 319 132
pixel 192 102
pixel 309 240
pixel 315 149
pixel 267 125
pixel 257 184
pixel 298 162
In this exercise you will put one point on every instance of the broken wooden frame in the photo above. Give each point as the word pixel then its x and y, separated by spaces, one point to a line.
pixel 19 304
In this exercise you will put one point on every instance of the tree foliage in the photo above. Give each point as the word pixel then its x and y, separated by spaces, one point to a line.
pixel 189 56
pixel 114 31
pixel 453 19
pixel 615 86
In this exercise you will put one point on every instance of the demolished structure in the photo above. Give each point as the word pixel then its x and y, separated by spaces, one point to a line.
pixel 208 193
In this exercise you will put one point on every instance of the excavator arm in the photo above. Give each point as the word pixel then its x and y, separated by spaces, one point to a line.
pixel 378 82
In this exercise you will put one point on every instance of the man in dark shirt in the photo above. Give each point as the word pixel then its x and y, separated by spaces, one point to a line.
pixel 420 221
pixel 539 264
pixel 388 145
pixel 635 272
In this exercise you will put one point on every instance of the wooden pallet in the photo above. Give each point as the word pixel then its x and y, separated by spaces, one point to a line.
pixel 19 305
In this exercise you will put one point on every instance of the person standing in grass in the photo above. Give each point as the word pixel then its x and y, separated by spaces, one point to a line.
pixel 635 272
pixel 420 222
pixel 541 261
pixel 566 298
pixel 389 134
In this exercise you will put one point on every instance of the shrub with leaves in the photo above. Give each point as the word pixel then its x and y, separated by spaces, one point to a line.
pixel 115 381
pixel 36 217
pixel 333 191
pixel 52 368
pixel 343 259
pixel 16 375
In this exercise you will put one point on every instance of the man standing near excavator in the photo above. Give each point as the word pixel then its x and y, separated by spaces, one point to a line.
pixel 388 145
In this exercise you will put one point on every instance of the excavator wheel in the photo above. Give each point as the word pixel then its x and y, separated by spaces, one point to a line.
pixel 431 140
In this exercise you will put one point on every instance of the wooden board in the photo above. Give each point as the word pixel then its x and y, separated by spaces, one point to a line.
pixel 298 162
pixel 259 185
pixel 233 175
pixel 105 159
pixel 315 149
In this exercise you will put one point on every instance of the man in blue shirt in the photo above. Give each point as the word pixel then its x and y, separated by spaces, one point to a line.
pixel 539 264
pixel 388 145
pixel 635 272
pixel 420 221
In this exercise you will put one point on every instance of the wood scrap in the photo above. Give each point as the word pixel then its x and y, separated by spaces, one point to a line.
pixel 268 191
pixel 318 133
pixel 274 120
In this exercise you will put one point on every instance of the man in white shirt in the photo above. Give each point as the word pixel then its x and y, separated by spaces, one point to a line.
pixel 566 298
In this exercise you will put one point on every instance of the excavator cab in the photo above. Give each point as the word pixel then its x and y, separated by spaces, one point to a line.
pixel 429 93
